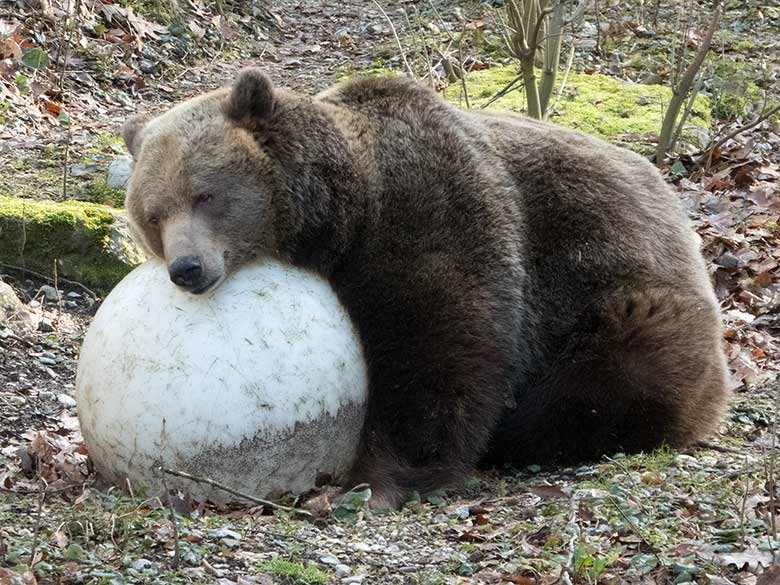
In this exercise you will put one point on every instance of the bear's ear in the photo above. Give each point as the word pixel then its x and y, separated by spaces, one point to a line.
pixel 251 101
pixel 132 132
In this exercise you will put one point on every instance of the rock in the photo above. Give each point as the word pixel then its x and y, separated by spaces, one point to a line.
pixel 147 66
pixel 141 564
pixel 225 533
pixel 683 460
pixel 461 513
pixel 353 579
pixel 66 401
pixel 342 571
pixel 73 295
pixel 393 549
pixel 50 293
pixel 328 560
pixel 47 361
pixel 91 242
pixel 361 547
pixel 12 310
pixel 119 172
pixel 45 326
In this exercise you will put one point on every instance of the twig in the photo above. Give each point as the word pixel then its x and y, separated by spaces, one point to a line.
pixel 569 63
pixel 461 72
pixel 742 510
pixel 765 114
pixel 397 38
pixel 176 561
pixel 771 470
pixel 48 278
pixel 615 504
pixel 237 493
pixel 502 92
pixel 686 112
pixel 357 488
pixel 716 447
pixel 37 528
pixel 572 527
pixel 680 91
pixel 59 296
pixel 422 46
pixel 463 67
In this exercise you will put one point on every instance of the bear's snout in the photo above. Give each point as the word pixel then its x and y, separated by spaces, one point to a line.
pixel 186 271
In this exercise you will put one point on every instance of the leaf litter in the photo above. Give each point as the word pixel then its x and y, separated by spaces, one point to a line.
pixel 707 515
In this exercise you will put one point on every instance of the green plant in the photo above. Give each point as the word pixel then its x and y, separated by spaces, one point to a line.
pixel 292 573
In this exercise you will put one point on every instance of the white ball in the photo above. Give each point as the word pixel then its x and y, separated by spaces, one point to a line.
pixel 260 385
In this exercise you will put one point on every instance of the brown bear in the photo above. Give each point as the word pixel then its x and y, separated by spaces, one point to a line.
pixel 524 293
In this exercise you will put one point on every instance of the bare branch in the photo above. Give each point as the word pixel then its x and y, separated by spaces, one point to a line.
pixel 682 89
pixel 764 115
pixel 223 487
pixel 397 38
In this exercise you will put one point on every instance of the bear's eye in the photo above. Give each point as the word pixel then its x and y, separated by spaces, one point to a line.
pixel 204 199
pixel 153 220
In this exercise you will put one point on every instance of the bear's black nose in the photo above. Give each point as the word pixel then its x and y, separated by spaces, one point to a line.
pixel 185 271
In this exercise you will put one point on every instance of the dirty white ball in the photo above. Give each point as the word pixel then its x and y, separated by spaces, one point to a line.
pixel 259 385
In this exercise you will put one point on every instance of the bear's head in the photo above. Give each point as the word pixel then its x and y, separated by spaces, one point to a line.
pixel 201 193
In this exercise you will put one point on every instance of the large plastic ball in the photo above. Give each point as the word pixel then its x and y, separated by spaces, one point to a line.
pixel 260 385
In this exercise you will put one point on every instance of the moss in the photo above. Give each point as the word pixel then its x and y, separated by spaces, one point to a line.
pixel 734 93
pixel 157 10
pixel 595 104
pixel 744 46
pixel 98 191
pixel 290 573
pixel 86 241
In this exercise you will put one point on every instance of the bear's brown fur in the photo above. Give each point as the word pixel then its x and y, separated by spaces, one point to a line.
pixel 524 293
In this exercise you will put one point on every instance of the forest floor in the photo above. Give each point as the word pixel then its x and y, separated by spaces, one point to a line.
pixel 706 515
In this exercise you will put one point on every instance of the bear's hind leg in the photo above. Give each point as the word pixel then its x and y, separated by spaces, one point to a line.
pixel 651 372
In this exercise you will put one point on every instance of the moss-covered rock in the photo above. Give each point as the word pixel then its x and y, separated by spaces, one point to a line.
pixel 596 104
pixel 90 243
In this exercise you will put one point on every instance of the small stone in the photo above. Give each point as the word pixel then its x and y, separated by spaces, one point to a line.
pixel 66 401
pixel 230 542
pixel 147 66
pixel 119 172
pixel 71 305
pixel 361 547
pixel 393 549
pixel 708 461
pixel 34 304
pixel 408 569
pixel 45 326
pixel 16 400
pixel 329 560
pixel 11 308
pixel 49 355
pixel 225 533
pixel 461 512
pixel 342 571
pixel 46 395
pixel 141 564
pixel 73 295
pixel 50 294
pixel 353 579
pixel 686 461
pixel 47 361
